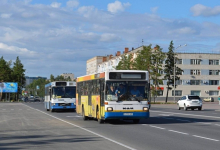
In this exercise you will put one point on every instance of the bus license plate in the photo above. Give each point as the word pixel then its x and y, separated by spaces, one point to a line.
pixel 128 114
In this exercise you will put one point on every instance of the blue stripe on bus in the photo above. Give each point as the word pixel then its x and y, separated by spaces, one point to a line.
pixel 127 115
pixel 56 106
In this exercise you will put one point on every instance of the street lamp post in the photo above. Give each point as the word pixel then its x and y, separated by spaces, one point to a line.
pixel 174 71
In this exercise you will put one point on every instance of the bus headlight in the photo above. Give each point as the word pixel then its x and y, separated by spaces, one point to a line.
pixel 53 104
pixel 145 108
pixel 109 109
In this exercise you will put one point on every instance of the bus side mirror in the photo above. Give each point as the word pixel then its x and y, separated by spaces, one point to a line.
pixel 49 90
pixel 148 86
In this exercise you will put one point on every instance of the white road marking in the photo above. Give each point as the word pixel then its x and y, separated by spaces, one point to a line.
pixel 187 114
pixel 164 114
pixel 179 132
pixel 204 122
pixel 205 138
pixel 73 116
pixel 104 137
pixel 217 124
pixel 183 120
pixel 156 127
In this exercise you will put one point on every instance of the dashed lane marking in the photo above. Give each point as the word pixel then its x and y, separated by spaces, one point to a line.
pixel 178 132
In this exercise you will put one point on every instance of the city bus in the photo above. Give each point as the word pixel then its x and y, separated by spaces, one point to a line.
pixel 60 95
pixel 94 99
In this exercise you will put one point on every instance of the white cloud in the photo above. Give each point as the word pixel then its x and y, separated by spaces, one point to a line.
pixel 6 15
pixel 72 3
pixel 55 5
pixel 107 37
pixel 154 9
pixel 5 49
pixel 201 10
pixel 117 6
pixel 184 30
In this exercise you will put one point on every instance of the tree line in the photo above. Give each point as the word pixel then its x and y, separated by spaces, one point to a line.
pixel 9 73
pixel 151 59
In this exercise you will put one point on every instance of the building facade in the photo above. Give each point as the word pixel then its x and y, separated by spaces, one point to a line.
pixel 68 75
pixel 201 74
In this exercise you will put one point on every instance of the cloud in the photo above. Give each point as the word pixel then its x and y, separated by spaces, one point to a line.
pixel 13 50
pixel 201 10
pixel 55 5
pixel 6 15
pixel 117 6
pixel 154 9
pixel 72 3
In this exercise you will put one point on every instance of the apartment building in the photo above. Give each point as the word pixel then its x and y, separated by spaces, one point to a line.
pixel 68 75
pixel 201 74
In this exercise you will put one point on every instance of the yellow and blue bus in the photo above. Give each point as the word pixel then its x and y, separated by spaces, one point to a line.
pixel 60 95
pixel 100 95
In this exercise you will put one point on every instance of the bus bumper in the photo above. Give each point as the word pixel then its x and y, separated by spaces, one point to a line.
pixel 127 115
pixel 57 106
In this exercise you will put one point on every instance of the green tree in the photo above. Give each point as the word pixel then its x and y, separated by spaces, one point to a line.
pixel 125 63
pixel 157 58
pixel 32 88
pixel 52 78
pixel 169 69
pixel 5 70
pixel 18 75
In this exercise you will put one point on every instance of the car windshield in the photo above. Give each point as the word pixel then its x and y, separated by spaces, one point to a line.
pixel 64 92
pixel 126 91
pixel 194 97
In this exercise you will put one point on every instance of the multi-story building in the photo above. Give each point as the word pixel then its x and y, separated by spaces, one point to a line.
pixel 29 80
pixel 68 75
pixel 201 74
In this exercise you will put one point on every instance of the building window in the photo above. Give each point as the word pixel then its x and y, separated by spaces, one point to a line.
pixel 196 93
pixel 177 92
pixel 213 72
pixel 195 82
pixel 195 72
pixel 213 82
pixel 178 82
pixel 195 61
pixel 213 62
pixel 213 93
pixel 160 93
pixel 179 61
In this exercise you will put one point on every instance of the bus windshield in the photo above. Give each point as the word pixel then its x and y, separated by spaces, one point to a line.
pixel 64 92
pixel 126 91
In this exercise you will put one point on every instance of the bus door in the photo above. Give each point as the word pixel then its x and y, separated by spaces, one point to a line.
pixel 102 101
pixel 89 98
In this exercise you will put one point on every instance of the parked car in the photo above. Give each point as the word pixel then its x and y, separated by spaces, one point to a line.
pixel 208 99
pixel 190 102
pixel 37 99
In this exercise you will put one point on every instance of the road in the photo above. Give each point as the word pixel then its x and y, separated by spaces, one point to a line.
pixel 29 126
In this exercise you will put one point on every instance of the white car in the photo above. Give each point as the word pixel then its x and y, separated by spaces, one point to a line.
pixel 190 101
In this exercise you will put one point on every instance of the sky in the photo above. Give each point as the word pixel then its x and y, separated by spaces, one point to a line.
pixel 59 36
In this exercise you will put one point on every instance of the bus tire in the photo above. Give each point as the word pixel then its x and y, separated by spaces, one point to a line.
pixel 83 115
pixel 51 110
pixel 100 121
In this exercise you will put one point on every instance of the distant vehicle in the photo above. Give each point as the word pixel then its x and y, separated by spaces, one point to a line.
pixel 208 99
pixel 190 102
pixel 37 99
pixel 60 95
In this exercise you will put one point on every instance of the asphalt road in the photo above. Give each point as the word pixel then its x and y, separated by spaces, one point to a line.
pixel 29 126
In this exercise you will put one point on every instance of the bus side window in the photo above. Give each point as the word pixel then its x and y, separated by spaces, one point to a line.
pixel 98 88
